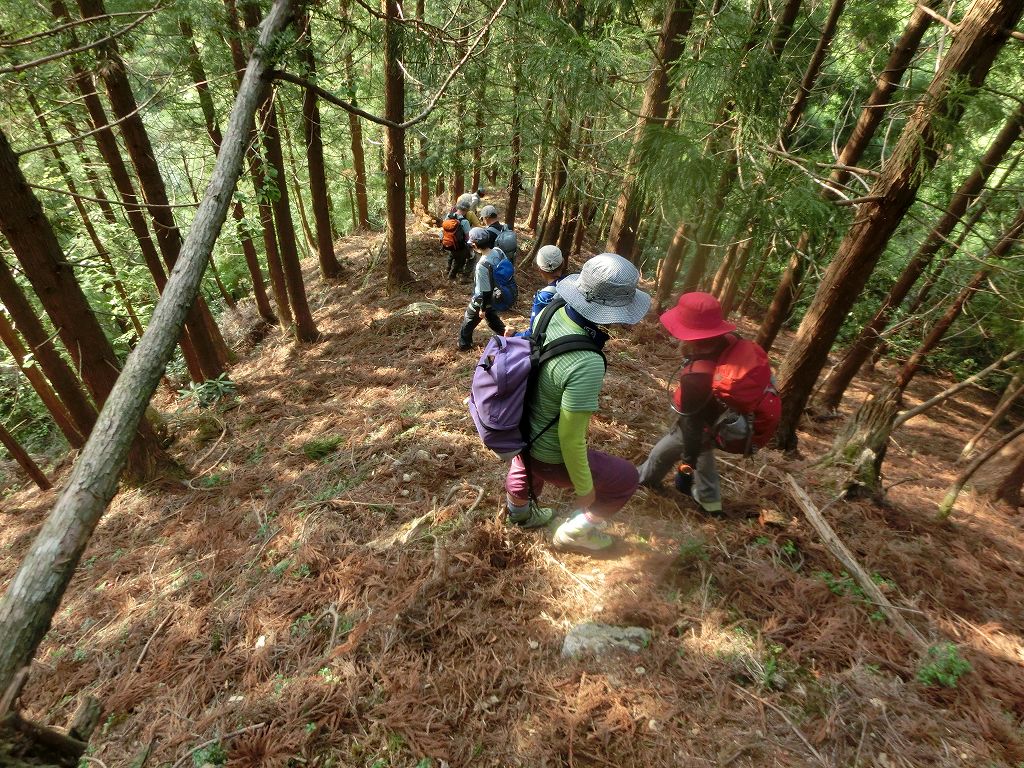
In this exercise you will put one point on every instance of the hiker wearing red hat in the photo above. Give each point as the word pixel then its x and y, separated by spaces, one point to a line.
pixel 725 399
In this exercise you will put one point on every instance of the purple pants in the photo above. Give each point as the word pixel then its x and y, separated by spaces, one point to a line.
pixel 615 480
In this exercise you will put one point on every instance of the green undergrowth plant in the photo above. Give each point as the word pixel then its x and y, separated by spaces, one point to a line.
pixel 321 447
pixel 209 392
pixel 942 665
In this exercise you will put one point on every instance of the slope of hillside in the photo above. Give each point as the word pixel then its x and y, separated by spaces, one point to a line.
pixel 334 586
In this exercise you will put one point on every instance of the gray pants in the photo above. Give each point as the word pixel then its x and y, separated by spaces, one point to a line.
pixel 707 489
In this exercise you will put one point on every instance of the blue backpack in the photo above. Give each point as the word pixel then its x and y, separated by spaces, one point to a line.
pixel 503 283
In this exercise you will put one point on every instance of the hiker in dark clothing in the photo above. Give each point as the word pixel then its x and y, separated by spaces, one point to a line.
pixel 480 305
pixel 458 249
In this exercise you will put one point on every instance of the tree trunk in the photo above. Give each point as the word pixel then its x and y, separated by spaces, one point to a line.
pixel 40 343
pixel 982 32
pixel 34 243
pixel 252 262
pixel 836 384
pixel 997 415
pixel 538 192
pixel 796 109
pixel 355 131
pixel 949 500
pixel 107 145
pixel 670 268
pixel 394 147
pixel 21 456
pixel 1011 463
pixel 671 42
pixel 867 123
pixel 281 115
pixel 205 335
pixel 101 251
pixel 34 594
pixel 256 164
pixel 515 177
pixel 42 387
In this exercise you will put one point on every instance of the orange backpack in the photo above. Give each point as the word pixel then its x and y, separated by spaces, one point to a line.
pixel 453 235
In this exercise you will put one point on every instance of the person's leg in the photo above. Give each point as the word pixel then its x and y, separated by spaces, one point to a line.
pixel 707 488
pixel 663 455
pixel 470 320
pixel 452 271
pixel 521 511
pixel 494 321
pixel 615 482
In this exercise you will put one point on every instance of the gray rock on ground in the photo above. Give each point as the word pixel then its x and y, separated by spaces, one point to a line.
pixel 601 639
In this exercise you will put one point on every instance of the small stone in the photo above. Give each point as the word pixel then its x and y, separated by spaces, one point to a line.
pixel 641 670
pixel 406 477
pixel 236 699
pixel 603 638
pixel 261 641
pixel 442 455
pixel 534 645
pixel 422 455
pixel 404 492
pixel 653 725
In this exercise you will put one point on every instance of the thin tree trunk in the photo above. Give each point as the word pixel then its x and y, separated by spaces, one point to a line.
pixel 275 268
pixel 949 500
pixel 836 384
pixel 731 284
pixel 252 262
pixel 1009 488
pixel 42 387
pixel 796 109
pixel 21 456
pixel 982 32
pixel 32 597
pixel 394 147
pixel 997 415
pixel 671 42
pixel 515 178
pixel 205 336
pixel 538 191
pixel 293 175
pixel 34 243
pixel 101 251
pixel 355 130
pixel 670 268
pixel 41 344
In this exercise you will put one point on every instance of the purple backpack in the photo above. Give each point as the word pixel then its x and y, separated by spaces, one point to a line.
pixel 505 379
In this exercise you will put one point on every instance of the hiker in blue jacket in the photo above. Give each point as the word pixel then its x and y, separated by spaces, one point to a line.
pixel 481 241
pixel 551 265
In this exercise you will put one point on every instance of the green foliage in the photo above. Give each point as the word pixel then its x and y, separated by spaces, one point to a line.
pixel 214 754
pixel 209 392
pixel 943 666
pixel 321 447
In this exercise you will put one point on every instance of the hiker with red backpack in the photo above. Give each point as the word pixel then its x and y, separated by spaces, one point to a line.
pixel 455 240
pixel 725 399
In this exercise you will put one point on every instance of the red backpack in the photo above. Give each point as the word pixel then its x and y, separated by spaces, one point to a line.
pixel 742 382
pixel 453 235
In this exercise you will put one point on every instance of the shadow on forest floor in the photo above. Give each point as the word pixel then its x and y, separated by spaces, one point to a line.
pixel 264 596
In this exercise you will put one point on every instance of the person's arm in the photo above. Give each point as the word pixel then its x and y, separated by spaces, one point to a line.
pixel 572 436
pixel 695 397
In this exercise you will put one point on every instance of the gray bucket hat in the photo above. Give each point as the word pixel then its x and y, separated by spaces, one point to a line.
pixel 605 291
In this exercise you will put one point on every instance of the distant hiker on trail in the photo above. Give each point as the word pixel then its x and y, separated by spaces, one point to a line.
pixel 455 240
pixel 551 265
pixel 483 302
pixel 505 238
pixel 477 197
pixel 466 199
pixel 726 399
pixel 604 293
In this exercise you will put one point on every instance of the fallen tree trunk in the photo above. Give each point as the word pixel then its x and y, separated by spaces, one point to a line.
pixel 34 594
pixel 843 555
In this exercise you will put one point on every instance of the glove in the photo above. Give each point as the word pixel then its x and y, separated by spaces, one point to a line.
pixel 684 479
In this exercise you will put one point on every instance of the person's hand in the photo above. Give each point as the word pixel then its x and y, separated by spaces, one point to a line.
pixel 585 502
pixel 509 333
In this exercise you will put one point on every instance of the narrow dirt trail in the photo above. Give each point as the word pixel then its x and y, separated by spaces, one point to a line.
pixel 265 595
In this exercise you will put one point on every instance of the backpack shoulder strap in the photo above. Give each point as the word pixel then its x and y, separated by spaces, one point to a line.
pixel 575 342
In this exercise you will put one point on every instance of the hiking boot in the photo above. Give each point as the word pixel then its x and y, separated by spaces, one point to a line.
pixel 535 517
pixel 464 346
pixel 583 536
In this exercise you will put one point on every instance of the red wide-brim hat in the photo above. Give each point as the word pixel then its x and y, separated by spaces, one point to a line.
pixel 696 316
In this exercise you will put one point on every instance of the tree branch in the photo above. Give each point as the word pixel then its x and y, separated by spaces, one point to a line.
pixel 79 49
pixel 431 105
pixel 65 27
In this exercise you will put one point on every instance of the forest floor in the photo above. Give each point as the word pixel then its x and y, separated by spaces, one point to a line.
pixel 266 612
